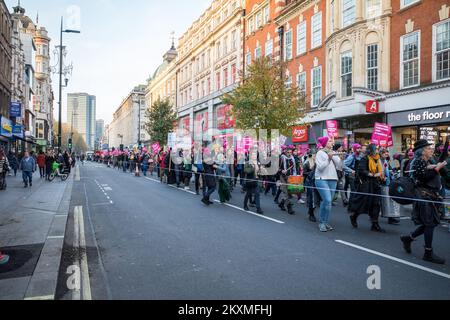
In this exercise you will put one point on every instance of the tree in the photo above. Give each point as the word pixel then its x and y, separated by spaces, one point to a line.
pixel 160 119
pixel 78 143
pixel 264 101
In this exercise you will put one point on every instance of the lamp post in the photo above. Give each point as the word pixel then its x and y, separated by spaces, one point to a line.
pixel 60 80
pixel 139 129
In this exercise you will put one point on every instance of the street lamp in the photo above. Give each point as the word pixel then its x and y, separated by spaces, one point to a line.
pixel 139 129
pixel 60 79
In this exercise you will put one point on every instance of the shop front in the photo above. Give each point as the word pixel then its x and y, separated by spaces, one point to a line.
pixel 201 125
pixel 6 127
pixel 432 124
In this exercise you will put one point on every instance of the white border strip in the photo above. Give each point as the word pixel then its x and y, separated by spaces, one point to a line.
pixel 417 266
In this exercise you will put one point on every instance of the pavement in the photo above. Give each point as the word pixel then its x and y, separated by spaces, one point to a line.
pixel 134 238
pixel 32 229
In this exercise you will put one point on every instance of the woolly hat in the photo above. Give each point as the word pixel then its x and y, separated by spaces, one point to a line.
pixel 356 146
pixel 322 141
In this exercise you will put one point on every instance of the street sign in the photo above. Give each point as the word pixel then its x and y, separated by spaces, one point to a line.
pixel 15 109
pixel 300 134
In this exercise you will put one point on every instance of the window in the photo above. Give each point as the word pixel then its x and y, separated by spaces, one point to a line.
pixel 218 50
pixel 316 86
pixel 301 83
pixel 258 52
pixel 266 16
pixel 441 49
pixel 208 57
pixel 225 46
pixel 316 35
pixel 301 38
pixel 233 73
pixel 218 81
pixel 346 74
pixel 203 89
pixel 288 82
pixel 372 67
pixel 348 12
pixel 197 88
pixel 248 59
pixel 203 61
pixel 259 19
pixel 234 40
pixel 225 77
pixel 288 45
pixel 332 16
pixel 373 8
pixel 209 86
pixel 410 60
pixel 405 3
pixel 269 48
pixel 251 25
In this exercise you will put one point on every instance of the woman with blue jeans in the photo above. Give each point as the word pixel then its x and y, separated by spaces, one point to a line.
pixel 326 179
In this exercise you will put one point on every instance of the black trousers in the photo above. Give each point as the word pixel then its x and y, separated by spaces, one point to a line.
pixel 42 171
pixel 374 212
pixel 428 234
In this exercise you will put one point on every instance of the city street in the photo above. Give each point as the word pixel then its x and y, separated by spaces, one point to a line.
pixel 146 240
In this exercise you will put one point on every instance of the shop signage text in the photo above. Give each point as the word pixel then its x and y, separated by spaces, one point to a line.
pixel 420 117
pixel 332 129
pixel 15 109
pixel 372 106
pixel 427 115
pixel 6 127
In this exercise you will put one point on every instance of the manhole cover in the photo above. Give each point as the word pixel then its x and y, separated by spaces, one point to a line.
pixel 22 261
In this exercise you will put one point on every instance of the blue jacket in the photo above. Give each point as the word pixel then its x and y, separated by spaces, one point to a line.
pixel 349 163
pixel 28 164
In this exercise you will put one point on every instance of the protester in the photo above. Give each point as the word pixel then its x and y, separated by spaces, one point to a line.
pixel 406 163
pixel 288 168
pixel 337 148
pixel 28 166
pixel 350 168
pixel 312 196
pixel 326 179
pixel 425 213
pixel 252 169
pixel 368 200
pixel 224 175
pixel 210 180
pixel 388 173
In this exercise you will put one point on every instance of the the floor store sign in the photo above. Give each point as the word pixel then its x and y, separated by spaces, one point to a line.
pixel 420 117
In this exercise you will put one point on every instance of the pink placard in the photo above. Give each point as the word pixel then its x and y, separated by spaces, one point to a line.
pixel 382 135
pixel 332 128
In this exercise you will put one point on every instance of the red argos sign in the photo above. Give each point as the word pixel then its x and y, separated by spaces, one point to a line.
pixel 372 106
pixel 300 134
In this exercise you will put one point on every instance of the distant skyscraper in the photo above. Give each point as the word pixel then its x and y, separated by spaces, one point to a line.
pixel 81 111
pixel 99 130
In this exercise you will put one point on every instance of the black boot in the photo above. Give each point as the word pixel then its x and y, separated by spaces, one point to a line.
pixel 290 210
pixel 312 218
pixel 407 240
pixel 376 227
pixel 281 205
pixel 431 257
pixel 353 220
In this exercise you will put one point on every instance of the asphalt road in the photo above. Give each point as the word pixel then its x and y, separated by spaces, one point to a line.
pixel 146 240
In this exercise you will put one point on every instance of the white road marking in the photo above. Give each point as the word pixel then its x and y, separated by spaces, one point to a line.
pixel 104 185
pixel 77 173
pixel 76 294
pixel 41 298
pixel 86 286
pixel 55 237
pixel 111 202
pixel 227 204
pixel 108 189
pixel 417 266
pixel 154 180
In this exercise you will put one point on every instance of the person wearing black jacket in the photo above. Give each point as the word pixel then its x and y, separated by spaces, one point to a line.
pixel 49 159
pixel 428 185
pixel 209 168
pixel 312 195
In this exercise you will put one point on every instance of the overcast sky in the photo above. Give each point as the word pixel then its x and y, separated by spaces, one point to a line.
pixel 120 45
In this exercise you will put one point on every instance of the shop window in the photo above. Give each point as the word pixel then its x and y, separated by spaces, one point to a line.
pixel 372 67
pixel 410 60
pixel 346 74
pixel 441 49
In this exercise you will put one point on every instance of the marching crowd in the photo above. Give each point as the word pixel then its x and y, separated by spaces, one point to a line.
pixel 360 176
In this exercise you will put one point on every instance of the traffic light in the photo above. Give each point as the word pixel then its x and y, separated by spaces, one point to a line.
pixel 70 144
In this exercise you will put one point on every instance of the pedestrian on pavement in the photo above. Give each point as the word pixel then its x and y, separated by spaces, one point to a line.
pixel 428 185
pixel 288 168
pixel 252 170
pixel 326 179
pixel 210 180
pixel 41 164
pixel 368 200
pixel 28 166
pixel 13 162
pixel 4 168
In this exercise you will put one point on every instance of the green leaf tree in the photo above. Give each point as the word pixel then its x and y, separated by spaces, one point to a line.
pixel 264 100
pixel 160 119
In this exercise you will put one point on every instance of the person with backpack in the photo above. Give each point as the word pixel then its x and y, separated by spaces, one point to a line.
pixel 425 214
pixel 371 176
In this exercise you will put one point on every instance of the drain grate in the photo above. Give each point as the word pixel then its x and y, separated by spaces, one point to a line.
pixel 22 261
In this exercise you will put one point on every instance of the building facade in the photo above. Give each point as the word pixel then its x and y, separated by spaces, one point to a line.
pixel 43 99
pixel 5 75
pixel 99 131
pixel 128 125
pixel 81 113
